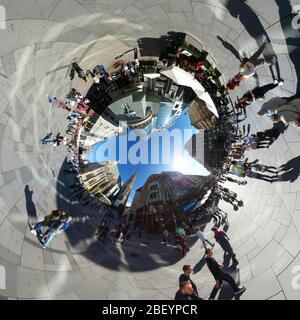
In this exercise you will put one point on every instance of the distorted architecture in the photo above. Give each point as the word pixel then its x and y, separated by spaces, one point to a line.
pixel 124 192
pixel 201 117
pixel 164 200
pixel 208 147
pixel 101 180
pixel 101 127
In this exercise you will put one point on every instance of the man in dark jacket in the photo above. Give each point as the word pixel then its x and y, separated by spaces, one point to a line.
pixel 257 93
pixel 187 269
pixel 186 292
pixel 220 276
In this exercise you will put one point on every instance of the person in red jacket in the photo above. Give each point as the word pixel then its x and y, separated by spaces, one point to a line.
pixel 223 240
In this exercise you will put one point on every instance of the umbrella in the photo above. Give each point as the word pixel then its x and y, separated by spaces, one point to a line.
pixel 184 78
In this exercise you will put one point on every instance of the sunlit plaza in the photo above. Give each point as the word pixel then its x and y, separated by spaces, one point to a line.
pixel 150 150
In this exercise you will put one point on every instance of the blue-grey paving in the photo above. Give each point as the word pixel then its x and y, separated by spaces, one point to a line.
pixel 40 40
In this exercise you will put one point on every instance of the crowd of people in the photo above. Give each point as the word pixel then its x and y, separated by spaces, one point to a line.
pixel 234 169
pixel 284 110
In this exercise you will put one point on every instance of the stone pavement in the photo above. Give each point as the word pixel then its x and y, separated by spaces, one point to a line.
pixel 40 40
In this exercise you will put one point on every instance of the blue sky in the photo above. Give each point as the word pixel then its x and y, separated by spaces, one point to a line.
pixel 178 162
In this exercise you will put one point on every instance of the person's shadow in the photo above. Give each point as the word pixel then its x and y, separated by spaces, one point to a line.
pixel 239 9
pixel 30 206
pixel 230 47
pixel 291 170
pixel 200 264
pixel 226 292
pixel 292 35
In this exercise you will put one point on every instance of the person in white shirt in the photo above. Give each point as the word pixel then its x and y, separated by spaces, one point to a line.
pixel 203 239
pixel 288 113
pixel 249 65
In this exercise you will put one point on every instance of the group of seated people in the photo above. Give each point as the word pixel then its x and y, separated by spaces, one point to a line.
pixel 52 224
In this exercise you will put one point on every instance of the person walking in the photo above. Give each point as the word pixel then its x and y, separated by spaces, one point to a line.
pixel 257 93
pixel 257 175
pixel 165 237
pixel 185 276
pixel 119 234
pixel 249 65
pixel 288 112
pixel 47 141
pixel 58 103
pixel 203 239
pixel 186 292
pixel 223 240
pixel 220 276
pixel 81 74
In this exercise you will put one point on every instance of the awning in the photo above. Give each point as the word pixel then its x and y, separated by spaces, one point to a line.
pixel 182 78
pixel 209 103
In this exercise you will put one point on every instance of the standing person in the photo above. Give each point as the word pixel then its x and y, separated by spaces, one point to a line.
pixel 165 237
pixel 223 240
pixel 81 74
pixel 203 239
pixel 100 233
pixel 125 231
pixel 257 93
pixel 220 276
pixel 58 140
pixel 185 276
pixel 140 233
pixel 182 241
pixel 260 176
pixel 185 292
pixel 242 182
pixel 119 234
pixel 217 217
pixel 47 138
pixel 58 103
pixel 105 232
pixel 47 141
pixel 249 65
pixel 113 232
pixel 288 112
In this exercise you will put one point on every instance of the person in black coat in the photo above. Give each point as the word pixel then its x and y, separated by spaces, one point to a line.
pixel 186 292
pixel 187 269
pixel 220 276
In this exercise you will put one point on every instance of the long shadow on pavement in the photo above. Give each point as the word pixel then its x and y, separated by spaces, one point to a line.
pixel 230 47
pixel 292 36
pixel 291 170
pixel 226 292
pixel 134 256
pixel 30 206
pixel 240 10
